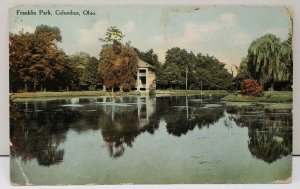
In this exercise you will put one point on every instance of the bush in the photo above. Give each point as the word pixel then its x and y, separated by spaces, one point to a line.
pixel 250 87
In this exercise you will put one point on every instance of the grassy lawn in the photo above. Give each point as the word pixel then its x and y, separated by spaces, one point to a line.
pixel 102 93
pixel 190 92
pixel 74 94
pixel 269 96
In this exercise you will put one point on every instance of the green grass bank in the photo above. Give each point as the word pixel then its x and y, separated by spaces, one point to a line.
pixel 73 94
pixel 269 96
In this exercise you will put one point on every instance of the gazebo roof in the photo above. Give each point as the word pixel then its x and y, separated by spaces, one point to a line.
pixel 142 64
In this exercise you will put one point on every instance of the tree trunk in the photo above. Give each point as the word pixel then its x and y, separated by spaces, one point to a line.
pixel 25 87
pixel 34 87
pixel 34 83
pixel 271 87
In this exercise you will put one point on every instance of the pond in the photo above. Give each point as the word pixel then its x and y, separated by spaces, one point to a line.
pixel 148 140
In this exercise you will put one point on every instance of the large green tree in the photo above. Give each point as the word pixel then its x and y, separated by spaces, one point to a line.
pixel 170 76
pixel 70 77
pixel 211 72
pixel 270 61
pixel 183 60
pixel 201 70
pixel 90 77
pixel 149 56
pixel 79 61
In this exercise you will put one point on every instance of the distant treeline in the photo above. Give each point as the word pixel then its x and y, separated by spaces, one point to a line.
pixel 37 64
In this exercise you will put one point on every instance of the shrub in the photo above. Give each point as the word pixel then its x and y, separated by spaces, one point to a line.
pixel 250 87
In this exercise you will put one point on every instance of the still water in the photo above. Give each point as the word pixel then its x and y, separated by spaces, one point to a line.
pixel 167 139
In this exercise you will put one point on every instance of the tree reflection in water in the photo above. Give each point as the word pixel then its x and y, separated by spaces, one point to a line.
pixel 37 128
pixel 120 125
pixel 38 135
pixel 270 131
pixel 182 115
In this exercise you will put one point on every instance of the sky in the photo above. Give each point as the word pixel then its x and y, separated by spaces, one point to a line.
pixel 221 31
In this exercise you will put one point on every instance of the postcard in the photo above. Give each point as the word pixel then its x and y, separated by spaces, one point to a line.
pixel 150 94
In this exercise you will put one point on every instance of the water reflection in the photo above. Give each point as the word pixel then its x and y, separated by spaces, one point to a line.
pixel 120 125
pixel 38 136
pixel 38 128
pixel 269 131
pixel 183 114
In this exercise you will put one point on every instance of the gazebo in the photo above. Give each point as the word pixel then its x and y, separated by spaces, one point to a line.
pixel 145 77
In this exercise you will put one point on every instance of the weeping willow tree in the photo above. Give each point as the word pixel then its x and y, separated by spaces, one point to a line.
pixel 270 60
pixel 264 59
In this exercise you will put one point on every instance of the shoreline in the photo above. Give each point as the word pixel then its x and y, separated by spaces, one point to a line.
pixel 105 93
pixel 73 94
pixel 269 96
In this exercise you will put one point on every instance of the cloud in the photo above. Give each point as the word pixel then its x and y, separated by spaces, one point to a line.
pixel 229 18
pixel 161 53
pixel 193 33
pixel 128 27
pixel 197 37
pixel 229 57
pixel 88 38
pixel 231 69
pixel 19 27
pixel 280 32
pixel 196 33
pixel 90 35
pixel 242 39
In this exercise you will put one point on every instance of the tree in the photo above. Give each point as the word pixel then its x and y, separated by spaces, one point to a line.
pixel 19 60
pixel 112 35
pixel 79 61
pixel 183 60
pixel 270 61
pixel 126 66
pixel 203 71
pixel 211 72
pixel 90 76
pixel 264 58
pixel 35 60
pixel 242 73
pixel 118 63
pixel 149 56
pixel 70 77
pixel 46 59
pixel 171 76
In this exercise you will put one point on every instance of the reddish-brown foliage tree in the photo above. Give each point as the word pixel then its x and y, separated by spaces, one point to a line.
pixel 118 67
pixel 34 58
pixel 250 87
